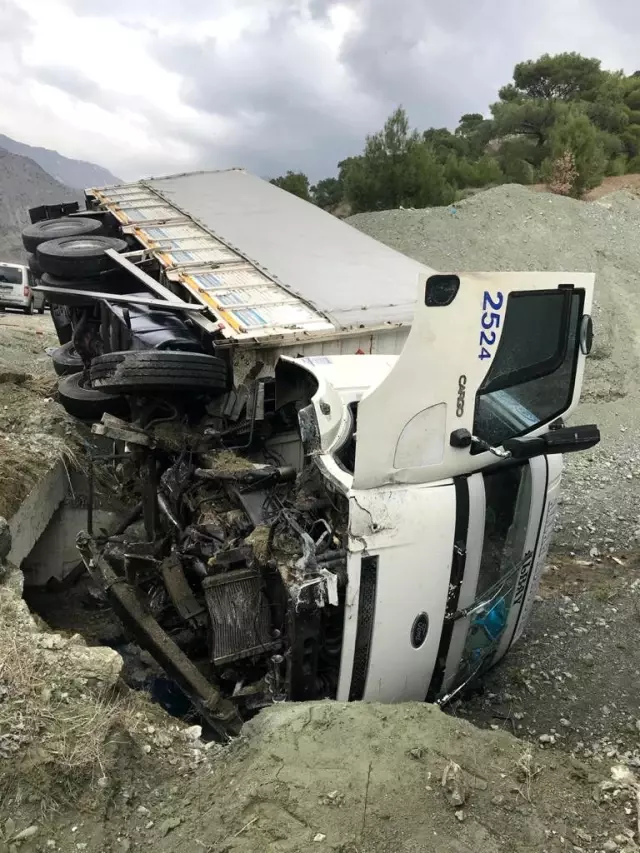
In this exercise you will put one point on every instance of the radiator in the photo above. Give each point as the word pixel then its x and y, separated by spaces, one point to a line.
pixel 239 615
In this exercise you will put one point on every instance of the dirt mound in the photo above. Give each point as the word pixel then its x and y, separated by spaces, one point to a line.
pixel 355 778
pixel 55 712
pixel 370 778
pixel 512 228
pixel 609 185
pixel 614 184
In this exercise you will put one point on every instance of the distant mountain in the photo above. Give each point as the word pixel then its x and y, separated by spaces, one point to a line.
pixel 73 173
pixel 24 184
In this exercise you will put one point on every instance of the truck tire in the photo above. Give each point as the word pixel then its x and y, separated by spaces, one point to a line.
pixel 62 284
pixel 42 307
pixel 34 266
pixel 79 257
pixel 160 371
pixel 85 403
pixel 51 229
pixel 66 360
pixel 28 309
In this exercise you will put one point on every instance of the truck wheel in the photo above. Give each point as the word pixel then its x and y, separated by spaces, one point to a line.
pixel 34 266
pixel 62 284
pixel 42 307
pixel 66 360
pixel 79 257
pixel 160 371
pixel 84 402
pixel 51 229
pixel 28 309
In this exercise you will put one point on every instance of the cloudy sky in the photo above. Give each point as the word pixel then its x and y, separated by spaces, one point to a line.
pixel 155 86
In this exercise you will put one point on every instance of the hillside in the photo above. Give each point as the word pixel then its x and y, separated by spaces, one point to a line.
pixel 24 184
pixel 73 173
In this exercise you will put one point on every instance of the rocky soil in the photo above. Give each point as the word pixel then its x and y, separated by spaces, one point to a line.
pixel 88 765
pixel 34 431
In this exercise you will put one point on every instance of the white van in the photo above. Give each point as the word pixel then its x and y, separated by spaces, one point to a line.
pixel 16 289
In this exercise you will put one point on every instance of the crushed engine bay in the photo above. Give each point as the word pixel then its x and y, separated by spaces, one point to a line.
pixel 231 569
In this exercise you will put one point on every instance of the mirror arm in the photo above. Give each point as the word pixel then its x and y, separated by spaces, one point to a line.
pixel 462 439
pixel 487 448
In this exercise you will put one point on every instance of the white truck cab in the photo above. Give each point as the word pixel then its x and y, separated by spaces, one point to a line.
pixel 449 458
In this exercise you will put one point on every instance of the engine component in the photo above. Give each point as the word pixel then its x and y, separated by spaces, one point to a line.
pixel 239 614
pixel 303 633
pixel 218 712
pixel 180 592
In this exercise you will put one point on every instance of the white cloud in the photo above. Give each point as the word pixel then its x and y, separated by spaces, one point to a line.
pixel 153 86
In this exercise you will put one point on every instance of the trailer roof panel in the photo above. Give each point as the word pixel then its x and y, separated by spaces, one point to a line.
pixel 349 277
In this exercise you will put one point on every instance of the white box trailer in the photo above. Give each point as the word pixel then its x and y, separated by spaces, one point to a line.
pixel 275 273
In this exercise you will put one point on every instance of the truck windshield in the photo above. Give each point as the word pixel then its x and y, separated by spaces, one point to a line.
pixel 532 377
pixel 10 275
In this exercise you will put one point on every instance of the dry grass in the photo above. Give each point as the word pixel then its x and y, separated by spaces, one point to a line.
pixel 52 726
pixel 44 383
pixel 41 380
pixel 527 772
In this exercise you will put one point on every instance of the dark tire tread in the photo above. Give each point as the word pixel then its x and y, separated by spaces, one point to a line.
pixel 66 259
pixel 160 370
pixel 51 229
pixel 88 404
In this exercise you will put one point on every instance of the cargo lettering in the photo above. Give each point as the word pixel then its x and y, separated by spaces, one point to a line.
pixel 545 541
pixel 462 392
pixel 523 578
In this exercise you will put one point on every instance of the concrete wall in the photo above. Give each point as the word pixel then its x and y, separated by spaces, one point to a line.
pixel 31 520
pixel 55 554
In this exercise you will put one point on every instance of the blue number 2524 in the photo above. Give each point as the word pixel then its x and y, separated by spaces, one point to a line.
pixel 489 321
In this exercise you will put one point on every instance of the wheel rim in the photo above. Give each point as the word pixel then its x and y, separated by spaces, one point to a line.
pixel 84 244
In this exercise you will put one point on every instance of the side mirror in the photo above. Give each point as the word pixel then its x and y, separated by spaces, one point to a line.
pixel 561 439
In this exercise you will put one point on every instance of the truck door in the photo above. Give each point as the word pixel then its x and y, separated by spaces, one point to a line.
pixel 499 355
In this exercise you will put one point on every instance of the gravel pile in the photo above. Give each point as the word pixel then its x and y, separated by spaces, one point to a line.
pixel 513 228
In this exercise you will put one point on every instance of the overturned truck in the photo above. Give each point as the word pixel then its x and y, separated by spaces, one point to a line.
pixel 346 465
